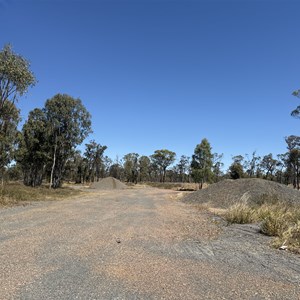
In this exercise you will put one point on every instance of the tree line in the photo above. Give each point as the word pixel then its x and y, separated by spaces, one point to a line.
pixel 45 149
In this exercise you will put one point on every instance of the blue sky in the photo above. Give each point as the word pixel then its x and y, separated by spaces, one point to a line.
pixel 165 74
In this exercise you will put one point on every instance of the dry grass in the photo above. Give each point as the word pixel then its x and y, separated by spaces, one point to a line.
pixel 15 193
pixel 177 186
pixel 241 214
pixel 279 220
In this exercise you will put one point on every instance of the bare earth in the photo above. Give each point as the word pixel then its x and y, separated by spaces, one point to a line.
pixel 138 243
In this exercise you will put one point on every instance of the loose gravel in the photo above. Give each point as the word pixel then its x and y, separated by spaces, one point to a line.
pixel 108 183
pixel 137 244
pixel 251 191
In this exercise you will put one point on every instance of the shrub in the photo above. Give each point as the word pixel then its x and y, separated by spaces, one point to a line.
pixel 240 213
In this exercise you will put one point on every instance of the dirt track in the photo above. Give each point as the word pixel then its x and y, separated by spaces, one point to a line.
pixel 136 244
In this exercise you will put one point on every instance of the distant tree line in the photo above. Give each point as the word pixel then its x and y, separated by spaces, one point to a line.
pixel 45 149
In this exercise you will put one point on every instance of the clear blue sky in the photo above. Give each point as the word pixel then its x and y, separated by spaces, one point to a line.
pixel 165 74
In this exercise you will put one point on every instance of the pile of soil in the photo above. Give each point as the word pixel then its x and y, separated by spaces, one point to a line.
pixel 108 183
pixel 250 191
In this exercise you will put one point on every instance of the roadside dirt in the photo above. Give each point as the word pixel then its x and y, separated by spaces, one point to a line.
pixel 139 243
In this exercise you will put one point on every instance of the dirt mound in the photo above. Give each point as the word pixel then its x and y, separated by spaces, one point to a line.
pixel 108 183
pixel 252 191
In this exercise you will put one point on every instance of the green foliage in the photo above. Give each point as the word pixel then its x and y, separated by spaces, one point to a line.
pixel 163 158
pixel 69 123
pixel 131 167
pixel 236 170
pixel 15 76
pixel 144 168
pixel 33 152
pixel 202 163
pixel 50 136
pixel 94 156
pixel 296 112
pixel 9 119
pixel 183 167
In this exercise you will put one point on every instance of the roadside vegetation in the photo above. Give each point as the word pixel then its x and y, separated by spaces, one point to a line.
pixel 18 193
pixel 278 220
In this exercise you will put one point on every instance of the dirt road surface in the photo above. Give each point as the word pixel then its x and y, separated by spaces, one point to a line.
pixel 136 244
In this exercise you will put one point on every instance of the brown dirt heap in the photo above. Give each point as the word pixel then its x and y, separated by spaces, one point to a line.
pixel 251 191
pixel 108 183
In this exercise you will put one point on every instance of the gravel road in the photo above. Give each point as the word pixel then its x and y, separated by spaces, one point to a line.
pixel 137 244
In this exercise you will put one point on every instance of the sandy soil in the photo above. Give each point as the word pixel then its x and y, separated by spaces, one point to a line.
pixel 138 243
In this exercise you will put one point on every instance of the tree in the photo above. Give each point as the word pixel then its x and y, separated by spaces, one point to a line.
pixel 69 123
pixel 293 159
pixel 236 169
pixel 8 134
pixel 15 76
pixel 268 163
pixel 94 155
pixel 296 112
pixel 163 158
pixel 202 163
pixel 183 167
pixel 251 164
pixel 144 168
pixel 33 150
pixel 131 167
pixel 217 166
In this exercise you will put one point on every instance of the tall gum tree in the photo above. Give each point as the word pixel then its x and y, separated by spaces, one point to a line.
pixel 163 158
pixel 15 79
pixel 202 162
pixel 69 124
pixel 15 76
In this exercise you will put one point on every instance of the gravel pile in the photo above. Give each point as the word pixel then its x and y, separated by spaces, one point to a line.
pixel 108 183
pixel 252 191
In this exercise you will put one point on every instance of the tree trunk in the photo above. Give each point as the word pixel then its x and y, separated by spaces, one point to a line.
pixel 53 166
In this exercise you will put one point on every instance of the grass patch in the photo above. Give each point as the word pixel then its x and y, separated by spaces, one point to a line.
pixel 240 213
pixel 14 193
pixel 173 185
pixel 276 219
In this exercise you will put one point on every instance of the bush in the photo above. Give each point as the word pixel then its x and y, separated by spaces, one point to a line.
pixel 278 220
pixel 241 214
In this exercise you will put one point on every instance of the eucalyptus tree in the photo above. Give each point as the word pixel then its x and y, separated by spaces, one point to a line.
pixel 293 159
pixel 183 167
pixel 202 162
pixel 163 159
pixel 94 155
pixel 236 169
pixel 144 168
pixel 131 168
pixel 33 150
pixel 8 134
pixel 268 164
pixel 217 166
pixel 251 164
pixel 69 123
pixel 15 78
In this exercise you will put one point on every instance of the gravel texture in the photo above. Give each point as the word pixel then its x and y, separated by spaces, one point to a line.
pixel 137 244
pixel 253 191
pixel 108 183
